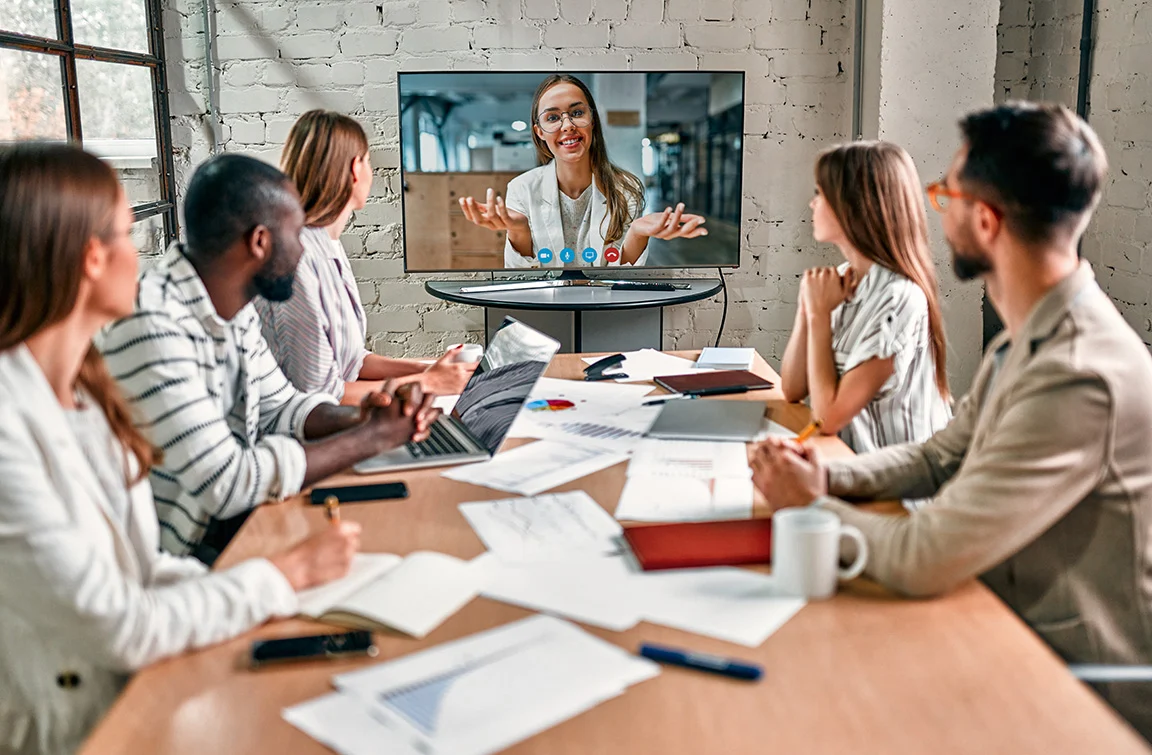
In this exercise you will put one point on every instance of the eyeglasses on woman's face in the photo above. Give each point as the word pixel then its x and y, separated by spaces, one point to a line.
pixel 551 121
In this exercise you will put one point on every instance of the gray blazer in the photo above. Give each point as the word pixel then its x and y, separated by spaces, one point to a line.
pixel 1042 484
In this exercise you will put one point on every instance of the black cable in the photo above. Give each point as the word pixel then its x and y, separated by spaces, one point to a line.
pixel 724 313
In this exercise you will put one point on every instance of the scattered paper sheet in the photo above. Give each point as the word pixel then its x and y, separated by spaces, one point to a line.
pixel 684 499
pixel 592 591
pixel 603 415
pixel 736 605
pixel 536 467
pixel 446 403
pixel 699 459
pixel 645 364
pixel 473 696
pixel 544 528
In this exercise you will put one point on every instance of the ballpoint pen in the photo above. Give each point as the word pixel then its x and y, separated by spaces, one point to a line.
pixel 702 662
pixel 809 431
pixel 332 509
pixel 666 399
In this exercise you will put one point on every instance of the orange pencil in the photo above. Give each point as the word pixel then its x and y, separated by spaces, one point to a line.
pixel 813 427
pixel 332 509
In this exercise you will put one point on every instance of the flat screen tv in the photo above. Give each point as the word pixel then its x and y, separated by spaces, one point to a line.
pixel 520 171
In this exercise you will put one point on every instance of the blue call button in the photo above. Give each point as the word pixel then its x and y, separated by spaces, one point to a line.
pixel 567 255
pixel 544 255
pixel 588 255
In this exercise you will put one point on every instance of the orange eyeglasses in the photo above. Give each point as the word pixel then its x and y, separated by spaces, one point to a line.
pixel 939 195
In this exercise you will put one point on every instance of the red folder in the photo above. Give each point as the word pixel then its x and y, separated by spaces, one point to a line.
pixel 694 544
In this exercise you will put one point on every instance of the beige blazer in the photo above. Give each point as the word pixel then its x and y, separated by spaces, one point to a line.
pixel 1042 484
pixel 87 596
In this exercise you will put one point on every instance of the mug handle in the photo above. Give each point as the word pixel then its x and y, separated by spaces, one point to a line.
pixel 857 567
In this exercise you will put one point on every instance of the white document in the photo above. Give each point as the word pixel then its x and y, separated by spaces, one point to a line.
pixel 736 605
pixel 645 364
pixel 489 691
pixel 536 467
pixel 544 528
pixel 346 725
pixel 726 358
pixel 684 499
pixel 619 432
pixel 594 591
pixel 413 595
pixel 446 403
pixel 699 459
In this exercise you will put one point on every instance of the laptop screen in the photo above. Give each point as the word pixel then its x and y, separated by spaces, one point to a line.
pixel 515 359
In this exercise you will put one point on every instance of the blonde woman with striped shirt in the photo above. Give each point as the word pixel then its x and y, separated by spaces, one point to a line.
pixel 868 347
pixel 318 334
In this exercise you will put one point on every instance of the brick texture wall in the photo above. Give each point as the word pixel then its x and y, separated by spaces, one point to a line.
pixel 1039 59
pixel 278 58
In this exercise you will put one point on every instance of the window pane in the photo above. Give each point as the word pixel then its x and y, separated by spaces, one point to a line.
pixel 117 118
pixel 34 17
pixel 31 96
pixel 119 24
pixel 148 236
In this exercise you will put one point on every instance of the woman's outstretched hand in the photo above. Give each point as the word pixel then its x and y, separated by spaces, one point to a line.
pixel 670 224
pixel 493 214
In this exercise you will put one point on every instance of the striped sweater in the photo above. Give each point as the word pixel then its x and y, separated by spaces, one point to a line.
pixel 209 394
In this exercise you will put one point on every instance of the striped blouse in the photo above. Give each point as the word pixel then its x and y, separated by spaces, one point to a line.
pixel 318 334
pixel 208 393
pixel 888 317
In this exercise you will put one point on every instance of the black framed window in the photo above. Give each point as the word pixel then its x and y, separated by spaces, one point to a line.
pixel 92 72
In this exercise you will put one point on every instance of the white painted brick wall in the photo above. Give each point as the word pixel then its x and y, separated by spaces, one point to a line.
pixel 1039 59
pixel 281 57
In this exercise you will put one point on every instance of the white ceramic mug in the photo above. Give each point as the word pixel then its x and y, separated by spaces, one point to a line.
pixel 470 353
pixel 806 552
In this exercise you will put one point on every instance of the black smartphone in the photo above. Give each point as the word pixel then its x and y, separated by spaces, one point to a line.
pixel 359 493
pixel 312 647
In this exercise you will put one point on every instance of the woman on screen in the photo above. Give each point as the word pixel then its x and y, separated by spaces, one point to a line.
pixel 868 344
pixel 577 209
pixel 86 594
pixel 318 334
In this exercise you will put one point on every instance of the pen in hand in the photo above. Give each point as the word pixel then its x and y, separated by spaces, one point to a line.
pixel 332 509
pixel 813 427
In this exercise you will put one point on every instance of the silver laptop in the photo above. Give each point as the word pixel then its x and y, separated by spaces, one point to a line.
pixel 709 419
pixel 515 359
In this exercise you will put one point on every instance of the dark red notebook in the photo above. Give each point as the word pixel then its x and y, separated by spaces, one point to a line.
pixel 711 380
pixel 694 544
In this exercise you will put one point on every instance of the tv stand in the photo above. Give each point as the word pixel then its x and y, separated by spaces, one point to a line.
pixel 585 314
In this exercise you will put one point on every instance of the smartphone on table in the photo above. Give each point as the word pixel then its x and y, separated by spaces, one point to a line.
pixel 360 493
pixel 312 647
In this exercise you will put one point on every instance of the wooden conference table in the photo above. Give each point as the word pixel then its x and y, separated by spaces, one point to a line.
pixel 865 672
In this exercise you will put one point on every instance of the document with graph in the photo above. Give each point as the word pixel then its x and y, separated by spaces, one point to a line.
pixel 480 694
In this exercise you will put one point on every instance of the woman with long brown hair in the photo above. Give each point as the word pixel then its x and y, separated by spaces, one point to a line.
pixel 318 334
pixel 868 345
pixel 86 595
pixel 576 203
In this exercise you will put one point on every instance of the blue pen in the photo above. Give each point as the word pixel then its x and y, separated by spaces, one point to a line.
pixel 702 661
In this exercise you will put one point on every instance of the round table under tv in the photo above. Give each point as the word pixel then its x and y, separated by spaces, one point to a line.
pixel 584 315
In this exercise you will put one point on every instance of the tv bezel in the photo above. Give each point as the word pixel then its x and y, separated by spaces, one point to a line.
pixel 547 271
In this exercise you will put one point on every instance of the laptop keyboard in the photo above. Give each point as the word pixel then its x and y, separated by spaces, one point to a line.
pixel 440 443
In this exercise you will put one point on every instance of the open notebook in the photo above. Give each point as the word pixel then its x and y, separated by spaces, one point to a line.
pixel 413 595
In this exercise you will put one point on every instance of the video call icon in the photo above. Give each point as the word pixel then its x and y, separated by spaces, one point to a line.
pixel 611 254
pixel 544 255
pixel 588 255
pixel 567 255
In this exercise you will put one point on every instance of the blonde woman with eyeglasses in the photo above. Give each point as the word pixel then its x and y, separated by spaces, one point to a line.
pixel 576 209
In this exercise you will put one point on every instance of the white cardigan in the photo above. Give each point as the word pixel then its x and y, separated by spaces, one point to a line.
pixel 82 597
pixel 536 194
